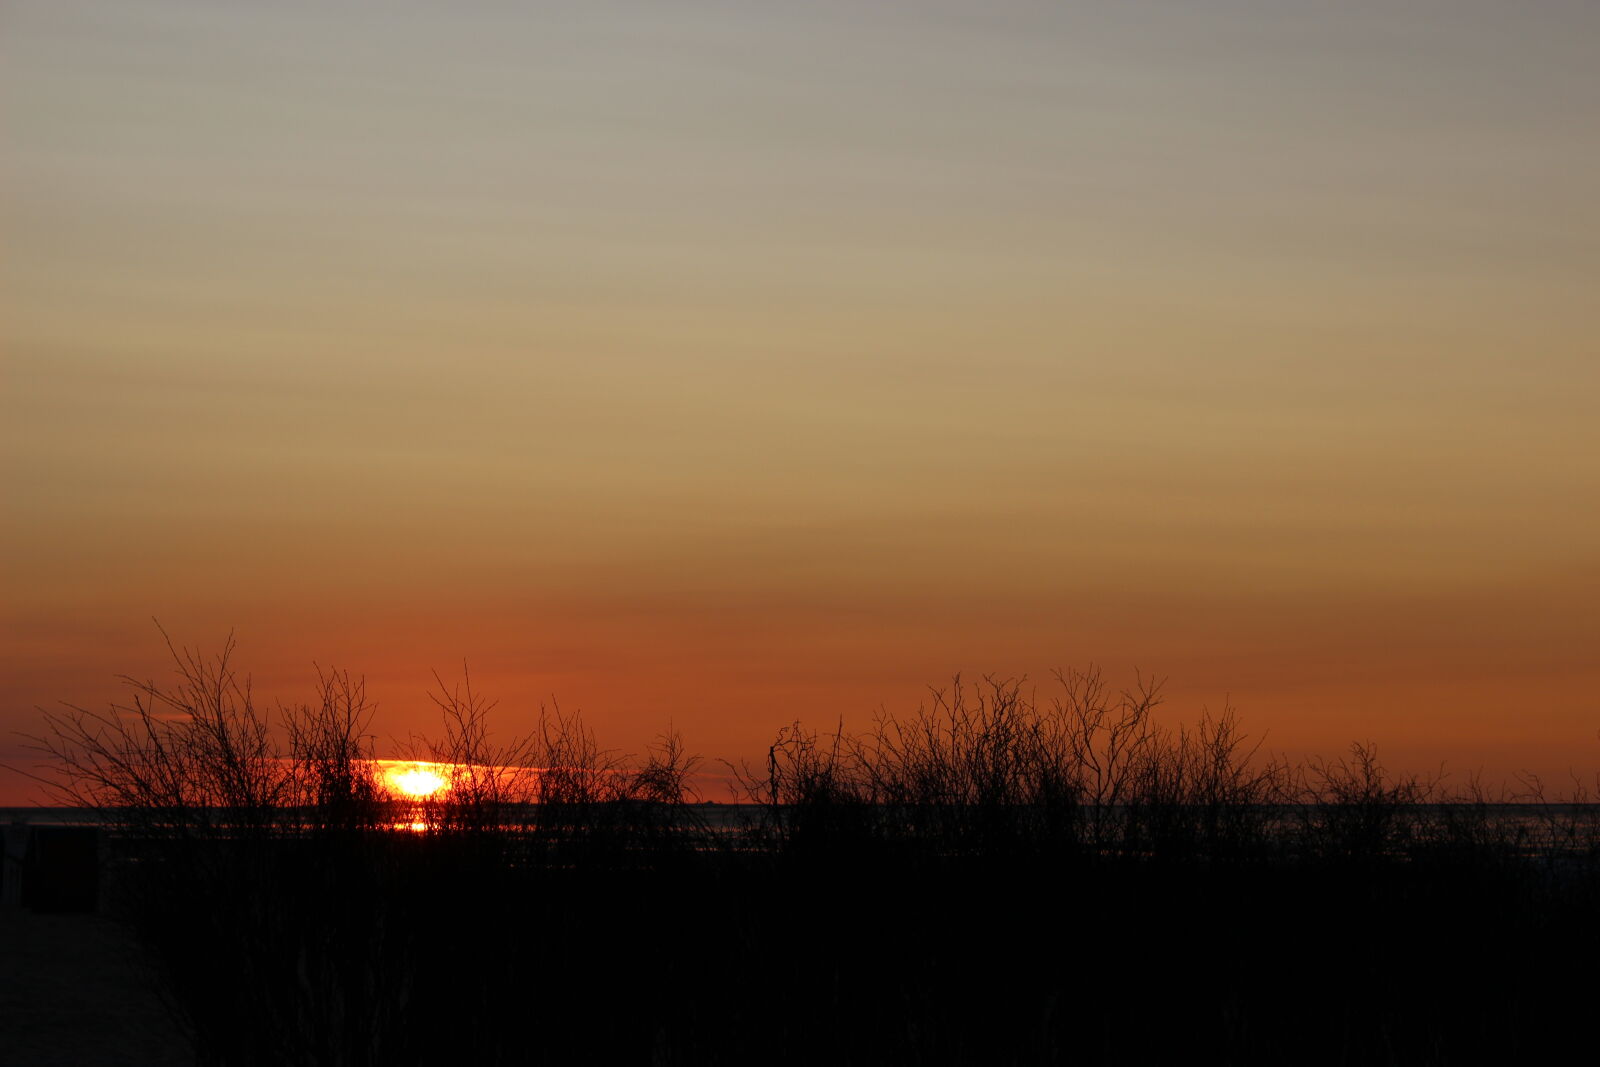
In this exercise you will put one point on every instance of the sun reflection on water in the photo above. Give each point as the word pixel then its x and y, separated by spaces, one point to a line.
pixel 419 782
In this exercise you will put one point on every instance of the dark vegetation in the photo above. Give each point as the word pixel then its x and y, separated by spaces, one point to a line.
pixel 995 879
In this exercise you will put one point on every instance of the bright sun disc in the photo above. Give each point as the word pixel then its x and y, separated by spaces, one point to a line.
pixel 417 781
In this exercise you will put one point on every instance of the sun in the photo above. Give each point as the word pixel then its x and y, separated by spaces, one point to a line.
pixel 416 781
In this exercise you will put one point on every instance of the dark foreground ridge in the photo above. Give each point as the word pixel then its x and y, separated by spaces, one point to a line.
pixel 990 881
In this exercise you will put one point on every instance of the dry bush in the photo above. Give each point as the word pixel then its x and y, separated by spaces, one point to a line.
pixel 1353 808
pixel 175 759
pixel 984 876
pixel 1200 793
pixel 989 768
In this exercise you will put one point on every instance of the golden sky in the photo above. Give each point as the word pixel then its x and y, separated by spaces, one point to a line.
pixel 726 363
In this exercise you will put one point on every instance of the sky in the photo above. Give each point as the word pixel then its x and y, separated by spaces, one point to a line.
pixel 712 365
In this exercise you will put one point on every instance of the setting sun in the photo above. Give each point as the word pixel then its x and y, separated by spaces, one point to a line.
pixel 416 781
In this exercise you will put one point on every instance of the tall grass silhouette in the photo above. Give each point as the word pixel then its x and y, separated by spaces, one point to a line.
pixel 992 878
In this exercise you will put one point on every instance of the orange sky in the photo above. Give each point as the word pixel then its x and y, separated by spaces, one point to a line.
pixel 724 364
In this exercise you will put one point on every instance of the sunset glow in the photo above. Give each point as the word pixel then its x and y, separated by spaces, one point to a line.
pixel 415 780
pixel 725 531
pixel 724 365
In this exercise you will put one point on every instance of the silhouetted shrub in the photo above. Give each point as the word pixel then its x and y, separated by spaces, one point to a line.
pixel 991 879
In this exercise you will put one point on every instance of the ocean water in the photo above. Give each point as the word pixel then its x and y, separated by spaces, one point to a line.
pixel 1532 829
